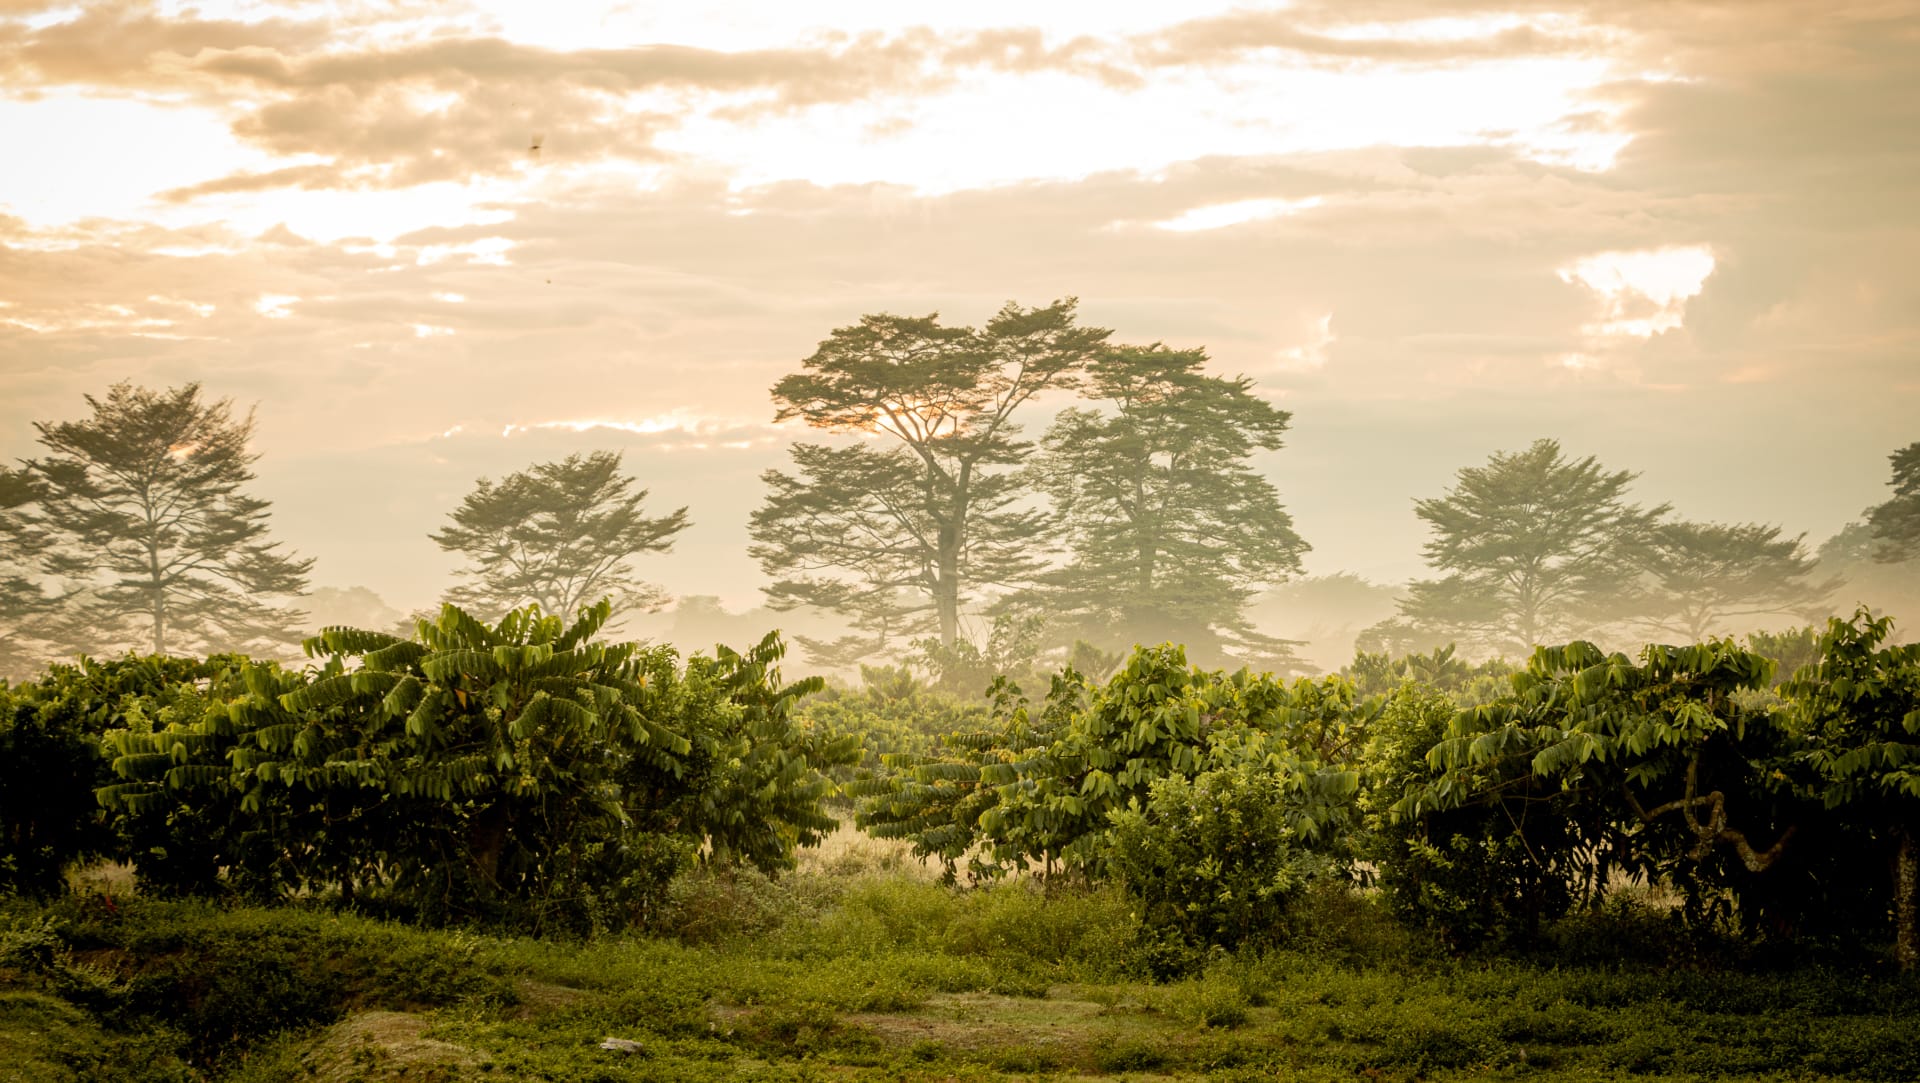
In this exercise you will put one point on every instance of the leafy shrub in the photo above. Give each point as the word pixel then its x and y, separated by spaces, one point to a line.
pixel 1220 858
pixel 1470 870
pixel 1039 788
pixel 50 745
pixel 1209 1002
pixel 520 773
pixel 719 904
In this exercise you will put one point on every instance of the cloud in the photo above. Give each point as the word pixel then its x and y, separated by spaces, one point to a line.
pixel 1642 293
pixel 1221 215
pixel 1312 354
pixel 367 100
pixel 1307 34
pixel 297 176
pixel 130 45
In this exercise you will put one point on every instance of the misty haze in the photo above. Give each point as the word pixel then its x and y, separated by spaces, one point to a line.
pixel 996 539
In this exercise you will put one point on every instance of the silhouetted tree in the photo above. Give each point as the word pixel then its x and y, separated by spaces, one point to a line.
pixel 560 534
pixel 935 508
pixel 144 519
pixel 1170 528
pixel 1854 557
pixel 22 601
pixel 1703 575
pixel 1536 549
pixel 1896 523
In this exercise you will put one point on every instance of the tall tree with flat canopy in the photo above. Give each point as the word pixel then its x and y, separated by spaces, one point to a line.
pixel 560 534
pixel 1536 548
pixel 1704 576
pixel 934 504
pixel 1170 528
pixel 1896 523
pixel 145 519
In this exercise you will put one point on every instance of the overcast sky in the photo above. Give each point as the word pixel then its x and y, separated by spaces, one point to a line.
pixel 1679 236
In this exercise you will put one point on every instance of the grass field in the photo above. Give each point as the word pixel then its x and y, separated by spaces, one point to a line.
pixel 858 967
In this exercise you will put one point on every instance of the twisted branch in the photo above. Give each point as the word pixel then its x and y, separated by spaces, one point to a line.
pixel 1715 829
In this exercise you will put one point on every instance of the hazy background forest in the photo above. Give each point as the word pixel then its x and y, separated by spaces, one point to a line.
pixel 424 247
pixel 932 534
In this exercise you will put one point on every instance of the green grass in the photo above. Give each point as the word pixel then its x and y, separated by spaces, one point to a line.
pixel 890 978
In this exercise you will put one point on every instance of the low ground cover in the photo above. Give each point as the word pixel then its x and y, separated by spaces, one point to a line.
pixel 851 970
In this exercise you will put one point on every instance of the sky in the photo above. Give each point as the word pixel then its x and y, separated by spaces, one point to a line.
pixel 1679 236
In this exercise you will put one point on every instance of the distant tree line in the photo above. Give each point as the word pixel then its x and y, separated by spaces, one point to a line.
pixel 1535 547
pixel 931 524
pixel 1145 518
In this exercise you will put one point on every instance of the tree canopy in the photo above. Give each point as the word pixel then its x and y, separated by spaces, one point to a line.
pixel 1856 558
pixel 21 597
pixel 934 509
pixel 1169 527
pixel 1703 575
pixel 1535 547
pixel 145 521
pixel 1896 523
pixel 560 535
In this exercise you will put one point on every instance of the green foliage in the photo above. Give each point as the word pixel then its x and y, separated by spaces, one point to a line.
pixel 1861 700
pixel 763 785
pixel 966 668
pixel 557 535
pixel 1595 764
pixel 1767 814
pixel 1376 673
pixel 1041 788
pixel 1219 859
pixel 1861 705
pixel 934 797
pixel 50 740
pixel 1789 650
pixel 893 713
pixel 1453 871
pixel 519 771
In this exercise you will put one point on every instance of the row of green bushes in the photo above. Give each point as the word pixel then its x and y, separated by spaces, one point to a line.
pixel 529 773
pixel 521 771
pixel 1773 805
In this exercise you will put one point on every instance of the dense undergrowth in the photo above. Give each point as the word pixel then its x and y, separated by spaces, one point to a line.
pixel 512 852
pixel 873 974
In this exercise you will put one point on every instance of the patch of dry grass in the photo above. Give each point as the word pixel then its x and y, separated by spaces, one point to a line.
pixel 849 852
pixel 390 1047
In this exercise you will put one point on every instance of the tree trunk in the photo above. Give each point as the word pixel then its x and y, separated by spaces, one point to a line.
pixel 946 587
pixel 1906 902
pixel 486 841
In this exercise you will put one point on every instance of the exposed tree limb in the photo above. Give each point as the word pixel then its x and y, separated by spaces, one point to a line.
pixel 1714 830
